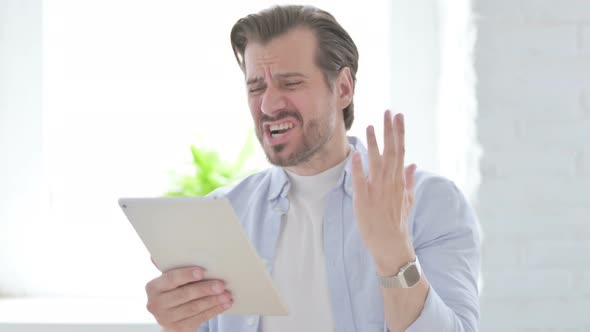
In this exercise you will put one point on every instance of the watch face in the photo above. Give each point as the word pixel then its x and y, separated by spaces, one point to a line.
pixel 412 275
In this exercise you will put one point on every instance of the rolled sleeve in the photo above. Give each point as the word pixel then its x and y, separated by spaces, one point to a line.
pixel 434 312
pixel 447 242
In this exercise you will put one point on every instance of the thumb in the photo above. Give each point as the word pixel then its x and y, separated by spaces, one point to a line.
pixel 409 177
pixel 410 182
pixel 154 262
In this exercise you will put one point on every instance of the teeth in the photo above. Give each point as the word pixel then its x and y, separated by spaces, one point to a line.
pixel 282 126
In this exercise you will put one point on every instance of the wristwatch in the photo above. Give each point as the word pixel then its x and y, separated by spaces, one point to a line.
pixel 408 276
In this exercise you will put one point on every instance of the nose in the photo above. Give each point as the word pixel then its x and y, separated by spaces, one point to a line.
pixel 273 101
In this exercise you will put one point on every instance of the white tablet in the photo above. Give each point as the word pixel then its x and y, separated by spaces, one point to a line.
pixel 202 231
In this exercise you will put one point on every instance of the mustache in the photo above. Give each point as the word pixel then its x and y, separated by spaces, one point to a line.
pixel 280 116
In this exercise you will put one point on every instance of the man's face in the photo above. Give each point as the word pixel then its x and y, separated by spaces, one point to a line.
pixel 294 110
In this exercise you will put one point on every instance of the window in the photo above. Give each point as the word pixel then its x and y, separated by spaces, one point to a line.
pixel 127 87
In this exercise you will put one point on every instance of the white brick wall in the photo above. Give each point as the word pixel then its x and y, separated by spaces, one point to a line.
pixel 555 11
pixel 532 60
pixel 584 38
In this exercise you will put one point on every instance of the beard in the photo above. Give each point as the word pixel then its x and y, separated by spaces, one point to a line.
pixel 315 133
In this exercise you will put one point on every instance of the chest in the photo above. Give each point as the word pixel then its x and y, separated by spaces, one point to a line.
pixel 349 269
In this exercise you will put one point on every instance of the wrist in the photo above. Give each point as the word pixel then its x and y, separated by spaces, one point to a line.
pixel 390 262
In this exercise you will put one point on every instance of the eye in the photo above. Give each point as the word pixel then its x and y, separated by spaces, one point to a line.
pixel 293 84
pixel 255 90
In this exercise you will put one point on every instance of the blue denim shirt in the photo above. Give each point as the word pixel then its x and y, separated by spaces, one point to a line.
pixel 444 231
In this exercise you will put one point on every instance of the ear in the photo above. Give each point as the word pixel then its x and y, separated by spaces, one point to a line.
pixel 344 88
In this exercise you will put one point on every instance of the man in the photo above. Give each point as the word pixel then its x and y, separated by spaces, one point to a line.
pixel 355 240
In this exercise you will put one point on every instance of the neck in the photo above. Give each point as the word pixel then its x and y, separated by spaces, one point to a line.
pixel 330 155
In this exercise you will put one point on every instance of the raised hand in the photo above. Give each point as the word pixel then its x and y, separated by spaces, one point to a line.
pixel 384 199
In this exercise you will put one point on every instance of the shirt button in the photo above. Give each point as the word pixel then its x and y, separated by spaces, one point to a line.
pixel 250 321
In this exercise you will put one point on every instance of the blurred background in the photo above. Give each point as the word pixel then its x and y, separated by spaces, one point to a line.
pixel 103 99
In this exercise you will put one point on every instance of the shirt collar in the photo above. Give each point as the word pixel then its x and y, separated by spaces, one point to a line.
pixel 280 185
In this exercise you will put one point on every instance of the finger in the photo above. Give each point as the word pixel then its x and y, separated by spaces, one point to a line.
pixel 198 306
pixel 191 292
pixel 388 141
pixel 400 144
pixel 192 323
pixel 373 152
pixel 174 278
pixel 358 175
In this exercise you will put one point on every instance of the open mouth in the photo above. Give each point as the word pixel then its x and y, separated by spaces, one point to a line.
pixel 277 130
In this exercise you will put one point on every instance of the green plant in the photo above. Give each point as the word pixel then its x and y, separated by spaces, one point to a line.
pixel 210 171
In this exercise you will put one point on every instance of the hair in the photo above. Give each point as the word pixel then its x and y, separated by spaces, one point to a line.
pixel 336 49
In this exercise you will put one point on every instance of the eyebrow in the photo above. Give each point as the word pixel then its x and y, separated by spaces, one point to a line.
pixel 259 79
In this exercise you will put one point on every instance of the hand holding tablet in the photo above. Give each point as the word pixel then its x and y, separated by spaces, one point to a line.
pixel 181 300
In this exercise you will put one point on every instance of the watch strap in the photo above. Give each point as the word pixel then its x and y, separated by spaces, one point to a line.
pixel 399 280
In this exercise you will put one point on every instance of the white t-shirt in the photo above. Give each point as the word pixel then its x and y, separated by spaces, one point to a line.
pixel 299 271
